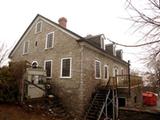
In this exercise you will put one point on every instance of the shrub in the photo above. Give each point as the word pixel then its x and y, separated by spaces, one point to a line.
pixel 10 77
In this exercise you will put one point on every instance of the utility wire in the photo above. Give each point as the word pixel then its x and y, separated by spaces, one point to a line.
pixel 148 43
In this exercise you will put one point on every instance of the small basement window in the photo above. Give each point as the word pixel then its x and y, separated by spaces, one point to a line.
pixel 122 102
pixel 135 99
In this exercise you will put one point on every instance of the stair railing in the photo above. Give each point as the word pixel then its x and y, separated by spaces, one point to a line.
pixel 104 104
pixel 28 82
pixel 90 106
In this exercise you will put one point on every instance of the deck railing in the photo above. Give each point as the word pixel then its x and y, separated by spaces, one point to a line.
pixel 125 81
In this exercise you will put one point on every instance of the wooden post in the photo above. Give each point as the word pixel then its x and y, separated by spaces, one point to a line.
pixel 113 103
pixel 117 108
pixel 129 79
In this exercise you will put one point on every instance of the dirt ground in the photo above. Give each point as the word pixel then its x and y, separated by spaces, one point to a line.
pixel 15 112
pixel 130 115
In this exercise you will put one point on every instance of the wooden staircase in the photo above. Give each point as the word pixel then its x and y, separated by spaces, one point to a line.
pixel 50 103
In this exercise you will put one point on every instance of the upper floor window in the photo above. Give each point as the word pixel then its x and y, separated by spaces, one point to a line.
pixel 122 71
pixel 34 64
pixel 49 40
pixel 97 69
pixel 26 47
pixel 48 68
pixel 66 67
pixel 106 72
pixel 115 72
pixel 38 27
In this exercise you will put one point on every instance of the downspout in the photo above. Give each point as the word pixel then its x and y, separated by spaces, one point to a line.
pixel 129 79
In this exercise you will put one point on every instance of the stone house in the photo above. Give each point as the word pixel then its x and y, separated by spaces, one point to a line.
pixel 74 65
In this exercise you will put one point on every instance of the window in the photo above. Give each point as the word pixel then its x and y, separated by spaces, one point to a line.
pixel 114 49
pixel 121 102
pixel 34 64
pixel 26 47
pixel 49 40
pixel 38 27
pixel 122 71
pixel 97 69
pixel 66 67
pixel 106 73
pixel 115 72
pixel 48 68
pixel 36 43
pixel 102 42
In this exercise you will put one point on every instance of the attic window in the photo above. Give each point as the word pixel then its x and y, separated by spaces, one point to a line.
pixel 26 47
pixel 38 27
pixel 114 50
pixel 102 42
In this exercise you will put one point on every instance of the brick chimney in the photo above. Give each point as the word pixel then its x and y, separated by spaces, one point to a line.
pixel 62 22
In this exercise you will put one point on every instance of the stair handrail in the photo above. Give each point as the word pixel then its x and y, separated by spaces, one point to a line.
pixel 43 89
pixel 105 102
pixel 90 105
pixel 108 82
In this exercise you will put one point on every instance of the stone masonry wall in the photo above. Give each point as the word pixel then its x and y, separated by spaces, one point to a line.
pixel 89 81
pixel 64 46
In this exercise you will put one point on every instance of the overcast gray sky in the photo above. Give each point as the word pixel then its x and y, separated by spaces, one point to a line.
pixel 84 17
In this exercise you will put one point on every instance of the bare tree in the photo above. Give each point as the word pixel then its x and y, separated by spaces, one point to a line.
pixel 145 15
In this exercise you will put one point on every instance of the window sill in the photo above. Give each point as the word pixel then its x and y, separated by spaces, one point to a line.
pixel 48 48
pixel 37 32
pixel 65 77
pixel 25 54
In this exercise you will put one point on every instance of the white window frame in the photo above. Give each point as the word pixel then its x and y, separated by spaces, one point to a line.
pixel 70 76
pixel 51 66
pixel 52 40
pixel 40 28
pixel 99 69
pixel 121 71
pixel 107 72
pixel 35 62
pixel 114 74
pixel 102 42
pixel 27 47
pixel 114 49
